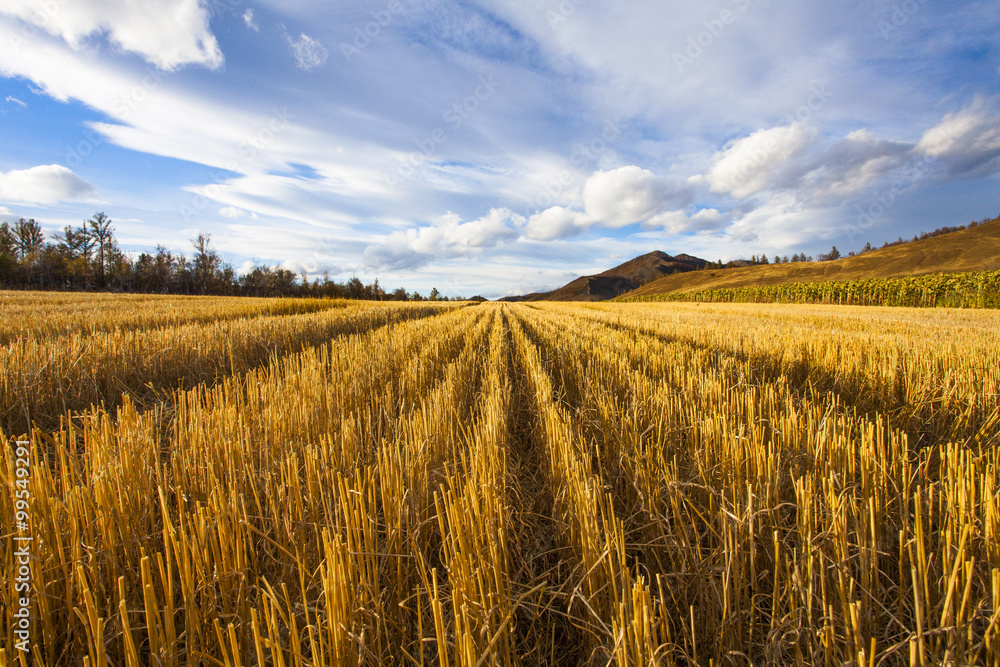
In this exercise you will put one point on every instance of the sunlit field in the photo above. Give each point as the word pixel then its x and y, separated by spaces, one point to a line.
pixel 310 482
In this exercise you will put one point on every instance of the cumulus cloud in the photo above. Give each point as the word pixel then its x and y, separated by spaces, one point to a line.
pixel 782 224
pixel 167 33
pixel 231 212
pixel 448 238
pixel 618 198
pixel 628 195
pixel 786 161
pixel 796 174
pixel 752 163
pixel 309 54
pixel 967 143
pixel 847 167
pixel 48 184
pixel 556 223
pixel 677 222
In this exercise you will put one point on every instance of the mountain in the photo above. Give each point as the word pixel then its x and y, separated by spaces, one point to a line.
pixel 619 280
pixel 973 249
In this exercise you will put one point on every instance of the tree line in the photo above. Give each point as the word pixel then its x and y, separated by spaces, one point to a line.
pixel 834 254
pixel 88 258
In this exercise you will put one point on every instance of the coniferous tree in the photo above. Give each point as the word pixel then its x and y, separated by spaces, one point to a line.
pixel 28 238
pixel 206 263
pixel 102 233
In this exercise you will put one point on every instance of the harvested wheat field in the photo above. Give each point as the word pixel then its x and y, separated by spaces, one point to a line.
pixel 304 483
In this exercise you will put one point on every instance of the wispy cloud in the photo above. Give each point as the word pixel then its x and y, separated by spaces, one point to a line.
pixel 309 53
pixel 231 212
pixel 248 20
pixel 600 154
pixel 11 98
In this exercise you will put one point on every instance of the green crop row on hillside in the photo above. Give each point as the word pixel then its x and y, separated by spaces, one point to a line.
pixel 978 289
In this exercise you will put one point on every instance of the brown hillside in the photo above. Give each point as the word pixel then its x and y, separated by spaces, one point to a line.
pixel 620 279
pixel 975 249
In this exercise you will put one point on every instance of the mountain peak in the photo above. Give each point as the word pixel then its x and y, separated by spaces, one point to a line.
pixel 616 281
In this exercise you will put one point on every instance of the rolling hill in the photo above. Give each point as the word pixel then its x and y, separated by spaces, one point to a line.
pixel 619 280
pixel 973 249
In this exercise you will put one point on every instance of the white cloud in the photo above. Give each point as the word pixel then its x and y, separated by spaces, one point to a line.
pixel 5 211
pixel 48 184
pixel 167 33
pixel 453 236
pixel 448 238
pixel 783 225
pixel 248 20
pixel 786 160
pixel 231 212
pixel 752 163
pixel 671 221
pixel 857 162
pixel 153 115
pixel 540 145
pixel 707 217
pixel 677 222
pixel 624 196
pixel 310 201
pixel 556 223
pixel 13 99
pixel 966 142
pixel 309 54
pixel 614 199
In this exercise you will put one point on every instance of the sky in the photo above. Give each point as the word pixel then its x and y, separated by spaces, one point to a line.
pixel 499 147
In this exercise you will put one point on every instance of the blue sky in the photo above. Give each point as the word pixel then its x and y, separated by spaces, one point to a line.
pixel 499 147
